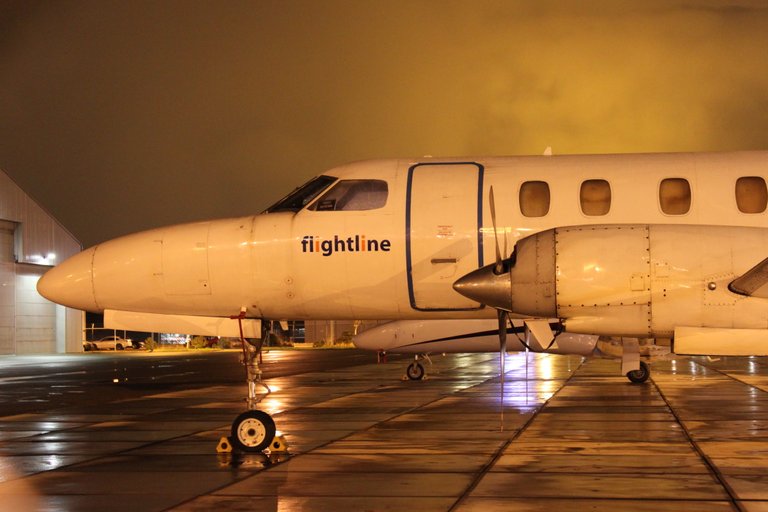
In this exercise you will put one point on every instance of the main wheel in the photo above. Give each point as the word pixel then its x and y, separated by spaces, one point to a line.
pixel 641 375
pixel 252 431
pixel 415 371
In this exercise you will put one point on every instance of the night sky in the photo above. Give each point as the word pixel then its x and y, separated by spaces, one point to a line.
pixel 119 116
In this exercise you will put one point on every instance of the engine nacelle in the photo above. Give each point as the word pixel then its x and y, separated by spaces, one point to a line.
pixel 628 280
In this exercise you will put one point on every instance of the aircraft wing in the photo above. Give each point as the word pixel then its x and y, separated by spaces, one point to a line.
pixel 754 282
pixel 182 324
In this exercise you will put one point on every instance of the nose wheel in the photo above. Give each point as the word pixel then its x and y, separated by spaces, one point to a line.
pixel 253 431
pixel 415 371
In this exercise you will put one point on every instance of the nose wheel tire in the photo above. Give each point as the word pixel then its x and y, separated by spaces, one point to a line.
pixel 253 431
pixel 641 375
pixel 415 371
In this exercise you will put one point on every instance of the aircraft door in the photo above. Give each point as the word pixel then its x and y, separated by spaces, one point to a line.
pixel 443 237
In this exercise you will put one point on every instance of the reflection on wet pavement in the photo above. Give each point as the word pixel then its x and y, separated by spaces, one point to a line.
pixel 575 434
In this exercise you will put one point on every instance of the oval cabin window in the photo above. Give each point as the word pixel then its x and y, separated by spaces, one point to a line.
pixel 595 197
pixel 675 196
pixel 534 198
pixel 751 194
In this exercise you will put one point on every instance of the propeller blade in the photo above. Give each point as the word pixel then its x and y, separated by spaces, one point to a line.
pixel 498 268
pixel 505 253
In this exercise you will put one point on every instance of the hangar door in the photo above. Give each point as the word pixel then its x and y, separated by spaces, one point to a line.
pixel 7 289
pixel 443 237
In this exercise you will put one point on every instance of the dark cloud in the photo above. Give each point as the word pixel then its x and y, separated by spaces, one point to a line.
pixel 120 116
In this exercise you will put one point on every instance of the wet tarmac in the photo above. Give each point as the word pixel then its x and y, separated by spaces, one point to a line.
pixel 575 435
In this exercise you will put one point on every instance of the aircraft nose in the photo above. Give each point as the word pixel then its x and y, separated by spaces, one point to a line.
pixel 365 340
pixel 71 282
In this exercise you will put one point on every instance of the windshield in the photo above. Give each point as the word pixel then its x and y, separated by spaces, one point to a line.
pixel 353 195
pixel 302 196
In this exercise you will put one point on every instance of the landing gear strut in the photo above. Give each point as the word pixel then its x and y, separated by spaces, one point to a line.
pixel 253 430
pixel 636 370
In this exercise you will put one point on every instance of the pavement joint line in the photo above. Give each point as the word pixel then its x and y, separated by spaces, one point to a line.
pixel 323 445
pixel 140 447
pixel 711 466
pixel 497 455
pixel 725 373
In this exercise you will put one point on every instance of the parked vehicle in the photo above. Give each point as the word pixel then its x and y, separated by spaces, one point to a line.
pixel 112 343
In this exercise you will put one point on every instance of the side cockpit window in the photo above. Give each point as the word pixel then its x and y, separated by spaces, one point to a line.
pixel 302 196
pixel 353 195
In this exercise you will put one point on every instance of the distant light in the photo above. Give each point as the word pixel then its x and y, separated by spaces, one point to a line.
pixel 39 259
pixel 115 380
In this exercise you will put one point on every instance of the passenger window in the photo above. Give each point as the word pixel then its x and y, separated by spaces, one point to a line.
pixel 595 197
pixel 353 195
pixel 675 196
pixel 751 194
pixel 534 199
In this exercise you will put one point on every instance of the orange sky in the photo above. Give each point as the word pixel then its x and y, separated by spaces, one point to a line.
pixel 120 116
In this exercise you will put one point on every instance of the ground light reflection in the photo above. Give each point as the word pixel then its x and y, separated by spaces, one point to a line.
pixel 361 439
pixel 19 494
pixel 530 380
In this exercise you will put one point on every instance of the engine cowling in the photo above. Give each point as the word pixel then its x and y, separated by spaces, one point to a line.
pixel 628 280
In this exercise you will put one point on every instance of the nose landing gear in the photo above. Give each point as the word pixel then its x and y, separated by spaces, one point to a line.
pixel 253 430
pixel 415 370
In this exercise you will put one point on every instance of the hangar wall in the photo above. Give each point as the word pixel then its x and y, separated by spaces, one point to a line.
pixel 31 241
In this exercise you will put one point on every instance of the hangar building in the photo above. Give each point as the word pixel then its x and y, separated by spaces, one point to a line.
pixel 31 241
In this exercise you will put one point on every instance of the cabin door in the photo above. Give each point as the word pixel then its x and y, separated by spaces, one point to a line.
pixel 443 237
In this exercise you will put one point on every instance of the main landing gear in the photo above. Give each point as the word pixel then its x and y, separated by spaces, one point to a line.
pixel 640 375
pixel 637 371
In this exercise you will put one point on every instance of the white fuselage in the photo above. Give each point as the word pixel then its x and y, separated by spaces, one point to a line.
pixel 396 255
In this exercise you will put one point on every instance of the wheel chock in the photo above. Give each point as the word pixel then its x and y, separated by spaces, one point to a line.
pixel 224 445
pixel 278 444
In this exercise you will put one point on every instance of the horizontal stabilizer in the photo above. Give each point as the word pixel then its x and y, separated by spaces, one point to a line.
pixel 754 282
pixel 181 324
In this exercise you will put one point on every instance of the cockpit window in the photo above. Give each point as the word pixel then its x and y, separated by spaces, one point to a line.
pixel 353 195
pixel 302 196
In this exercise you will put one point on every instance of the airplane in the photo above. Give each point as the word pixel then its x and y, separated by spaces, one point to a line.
pixel 633 245
pixel 424 337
